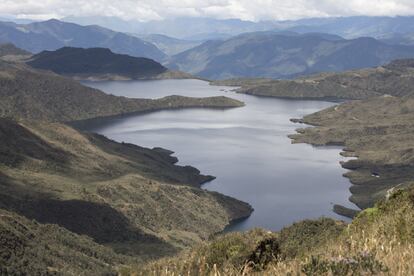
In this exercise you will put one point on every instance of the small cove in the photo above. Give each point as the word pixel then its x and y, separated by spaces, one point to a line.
pixel 246 148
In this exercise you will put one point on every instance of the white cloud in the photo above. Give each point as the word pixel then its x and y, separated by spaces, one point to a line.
pixel 245 9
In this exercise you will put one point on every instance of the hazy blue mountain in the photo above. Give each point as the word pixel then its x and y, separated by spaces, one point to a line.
pixel 353 27
pixel 54 34
pixel 170 45
pixel 284 55
pixel 110 22
pixel 184 28
pixel 206 28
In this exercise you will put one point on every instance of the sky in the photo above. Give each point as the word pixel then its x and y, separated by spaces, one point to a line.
pixel 254 10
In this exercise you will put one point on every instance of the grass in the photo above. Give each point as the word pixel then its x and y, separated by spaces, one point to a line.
pixel 124 196
pixel 38 95
pixel 395 79
pixel 378 242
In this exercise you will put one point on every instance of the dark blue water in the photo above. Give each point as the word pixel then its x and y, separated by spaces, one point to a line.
pixel 246 148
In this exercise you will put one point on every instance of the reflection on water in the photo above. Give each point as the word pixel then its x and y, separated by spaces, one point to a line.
pixel 246 148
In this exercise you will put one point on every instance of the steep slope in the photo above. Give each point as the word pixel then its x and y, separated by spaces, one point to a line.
pixel 396 78
pixel 31 248
pixel 281 55
pixel 54 34
pixel 95 62
pixel 132 199
pixel 31 94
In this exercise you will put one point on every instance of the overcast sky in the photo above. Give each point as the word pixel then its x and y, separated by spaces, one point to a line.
pixel 145 10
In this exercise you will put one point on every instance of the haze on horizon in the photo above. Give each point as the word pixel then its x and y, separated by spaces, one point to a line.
pixel 147 10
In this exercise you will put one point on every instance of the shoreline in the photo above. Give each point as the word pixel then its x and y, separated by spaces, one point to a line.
pixel 344 151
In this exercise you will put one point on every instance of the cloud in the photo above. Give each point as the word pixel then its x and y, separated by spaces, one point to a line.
pixel 144 10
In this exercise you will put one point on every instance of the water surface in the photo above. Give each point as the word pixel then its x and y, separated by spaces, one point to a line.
pixel 246 148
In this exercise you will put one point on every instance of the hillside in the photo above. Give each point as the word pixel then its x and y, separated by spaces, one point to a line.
pixel 396 78
pixel 8 49
pixel 284 55
pixel 131 199
pixel 96 62
pixel 379 131
pixel 31 94
pixel 54 34
pixel 377 242
pixel 30 248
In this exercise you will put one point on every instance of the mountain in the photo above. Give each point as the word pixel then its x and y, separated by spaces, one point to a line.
pixel 96 62
pixel 281 55
pixel 183 27
pixel 169 45
pixel 395 79
pixel 204 28
pixel 53 34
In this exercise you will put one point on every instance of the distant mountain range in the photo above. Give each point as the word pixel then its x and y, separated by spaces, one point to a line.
pixel 96 62
pixel 189 28
pixel 354 26
pixel 284 55
pixel 207 28
pixel 54 34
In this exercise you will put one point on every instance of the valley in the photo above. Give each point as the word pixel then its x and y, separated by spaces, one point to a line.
pixel 201 138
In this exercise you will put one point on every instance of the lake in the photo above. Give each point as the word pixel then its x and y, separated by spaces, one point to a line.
pixel 246 148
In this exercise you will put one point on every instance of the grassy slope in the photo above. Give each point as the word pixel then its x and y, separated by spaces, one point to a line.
pixel 46 96
pixel 378 242
pixel 31 248
pixel 396 78
pixel 379 131
pixel 132 199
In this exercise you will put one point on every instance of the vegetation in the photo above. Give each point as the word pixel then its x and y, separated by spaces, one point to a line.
pixel 375 243
pixel 378 132
pixel 131 199
pixel 8 49
pixel 30 248
pixel 31 94
pixel 396 78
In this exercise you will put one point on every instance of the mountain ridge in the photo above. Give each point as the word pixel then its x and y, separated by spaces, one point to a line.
pixel 284 56
pixel 54 34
